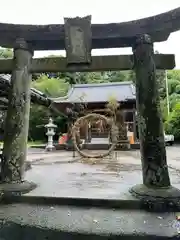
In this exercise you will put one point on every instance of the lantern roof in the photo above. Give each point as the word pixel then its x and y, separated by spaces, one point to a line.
pixel 50 124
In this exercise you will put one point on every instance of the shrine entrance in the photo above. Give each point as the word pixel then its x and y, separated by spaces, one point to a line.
pixel 78 36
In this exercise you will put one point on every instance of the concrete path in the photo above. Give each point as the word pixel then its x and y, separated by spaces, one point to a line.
pixel 60 156
pixel 129 157
pixel 58 174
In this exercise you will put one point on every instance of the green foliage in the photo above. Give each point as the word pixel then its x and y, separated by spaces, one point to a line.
pixel 38 119
pixel 174 98
pixel 173 75
pixel 172 84
pixel 172 124
pixel 39 115
pixel 120 76
pixel 52 87
pixel 112 103
pixel 6 53
pixel 177 90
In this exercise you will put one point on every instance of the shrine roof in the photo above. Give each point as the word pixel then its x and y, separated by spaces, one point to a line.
pixel 112 35
pixel 102 92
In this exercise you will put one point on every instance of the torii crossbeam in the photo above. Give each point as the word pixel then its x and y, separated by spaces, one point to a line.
pixel 51 37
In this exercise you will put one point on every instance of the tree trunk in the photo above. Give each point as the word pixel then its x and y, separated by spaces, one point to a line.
pixel 17 121
pixel 153 153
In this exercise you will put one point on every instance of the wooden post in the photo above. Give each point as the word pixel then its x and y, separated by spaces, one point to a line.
pixel 17 121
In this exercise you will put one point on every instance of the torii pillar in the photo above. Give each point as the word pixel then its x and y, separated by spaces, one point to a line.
pixel 17 123
pixel 156 181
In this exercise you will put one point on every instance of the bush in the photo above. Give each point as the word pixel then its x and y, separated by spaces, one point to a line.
pixel 172 125
pixel 39 117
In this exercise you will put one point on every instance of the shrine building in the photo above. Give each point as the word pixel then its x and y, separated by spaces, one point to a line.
pixel 96 96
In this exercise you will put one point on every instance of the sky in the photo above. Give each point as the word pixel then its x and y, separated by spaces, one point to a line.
pixel 54 11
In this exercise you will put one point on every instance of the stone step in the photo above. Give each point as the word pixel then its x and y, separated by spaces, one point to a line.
pixel 70 222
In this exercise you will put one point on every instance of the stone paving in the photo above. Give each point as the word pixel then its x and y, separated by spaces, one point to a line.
pixel 59 174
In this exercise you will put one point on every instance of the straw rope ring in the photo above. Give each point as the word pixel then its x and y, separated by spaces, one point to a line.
pixel 75 130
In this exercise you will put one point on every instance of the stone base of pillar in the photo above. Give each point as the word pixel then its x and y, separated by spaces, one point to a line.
pixel 16 188
pixel 157 198
pixel 50 149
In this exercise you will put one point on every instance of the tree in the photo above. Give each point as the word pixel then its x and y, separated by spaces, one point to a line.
pixel 38 118
pixel 172 125
pixel 39 115
pixel 172 84
pixel 52 87
pixel 6 53
pixel 119 76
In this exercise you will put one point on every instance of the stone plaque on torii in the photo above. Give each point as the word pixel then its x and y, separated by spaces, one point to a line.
pixel 79 37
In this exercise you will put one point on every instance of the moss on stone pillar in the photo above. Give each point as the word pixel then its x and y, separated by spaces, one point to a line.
pixel 153 153
pixel 17 121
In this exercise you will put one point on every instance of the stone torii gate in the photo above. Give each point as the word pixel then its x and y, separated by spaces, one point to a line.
pixel 79 37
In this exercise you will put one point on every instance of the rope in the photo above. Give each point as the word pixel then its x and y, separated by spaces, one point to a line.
pixel 94 116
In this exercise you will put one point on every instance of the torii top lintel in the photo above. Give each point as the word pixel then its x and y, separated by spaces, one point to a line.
pixel 51 37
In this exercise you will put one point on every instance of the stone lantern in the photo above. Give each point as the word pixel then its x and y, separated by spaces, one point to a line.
pixel 50 133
